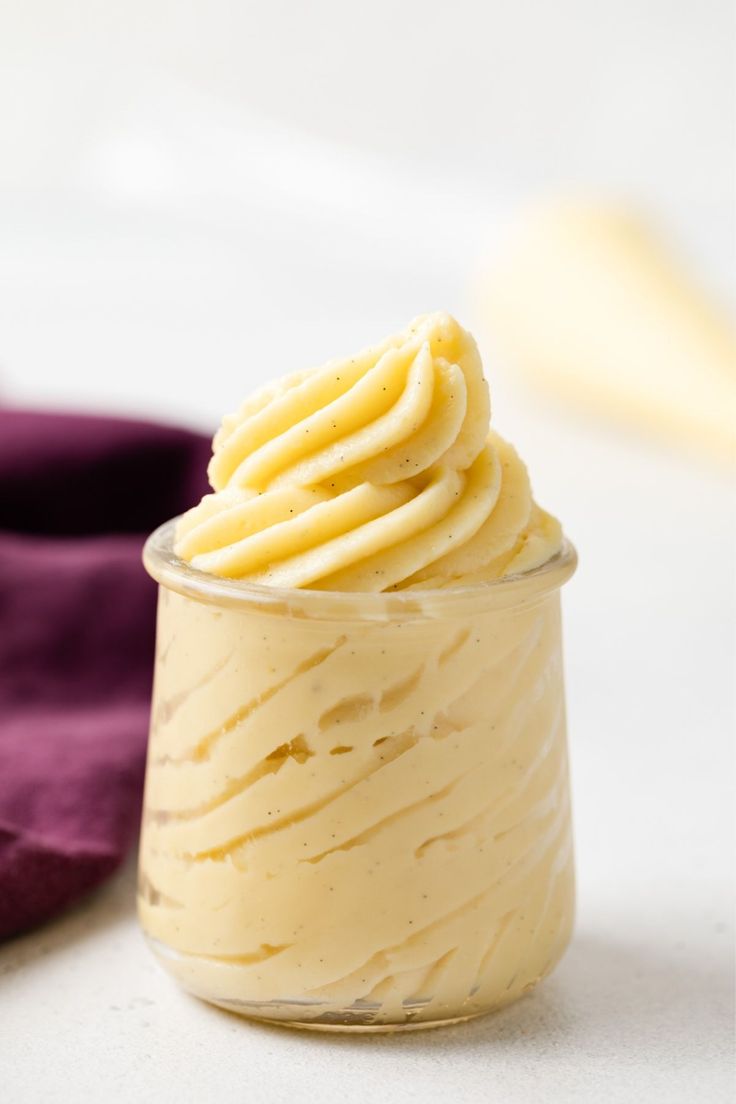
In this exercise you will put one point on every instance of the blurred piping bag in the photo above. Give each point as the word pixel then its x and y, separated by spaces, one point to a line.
pixel 588 303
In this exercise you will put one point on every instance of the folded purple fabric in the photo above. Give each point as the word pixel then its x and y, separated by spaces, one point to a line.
pixel 78 495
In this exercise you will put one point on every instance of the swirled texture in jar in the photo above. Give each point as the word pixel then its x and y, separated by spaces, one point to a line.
pixel 375 472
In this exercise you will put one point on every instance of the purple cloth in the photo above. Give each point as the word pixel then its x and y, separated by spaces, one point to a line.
pixel 78 495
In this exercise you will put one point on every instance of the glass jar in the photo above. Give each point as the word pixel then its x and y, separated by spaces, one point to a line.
pixel 357 805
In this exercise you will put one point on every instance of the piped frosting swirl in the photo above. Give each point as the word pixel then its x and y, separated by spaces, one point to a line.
pixel 371 473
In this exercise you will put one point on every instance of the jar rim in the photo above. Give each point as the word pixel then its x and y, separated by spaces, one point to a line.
pixel 170 571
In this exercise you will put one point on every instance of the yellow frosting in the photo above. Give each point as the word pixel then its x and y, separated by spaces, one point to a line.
pixel 351 819
pixel 357 810
pixel 370 473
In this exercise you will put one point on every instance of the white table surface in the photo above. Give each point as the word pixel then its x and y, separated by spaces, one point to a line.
pixel 641 1007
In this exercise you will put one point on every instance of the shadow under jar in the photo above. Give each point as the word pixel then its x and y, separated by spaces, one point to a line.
pixel 357 805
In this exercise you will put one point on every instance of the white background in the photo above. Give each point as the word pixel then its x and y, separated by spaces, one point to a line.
pixel 196 197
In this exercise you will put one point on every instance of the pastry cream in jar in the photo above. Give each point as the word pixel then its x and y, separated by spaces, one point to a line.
pixel 357 808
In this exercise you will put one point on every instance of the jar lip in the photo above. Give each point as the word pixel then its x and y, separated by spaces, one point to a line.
pixel 162 563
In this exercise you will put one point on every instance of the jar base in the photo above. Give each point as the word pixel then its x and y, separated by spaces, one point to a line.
pixel 362 1017
pixel 353 1028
